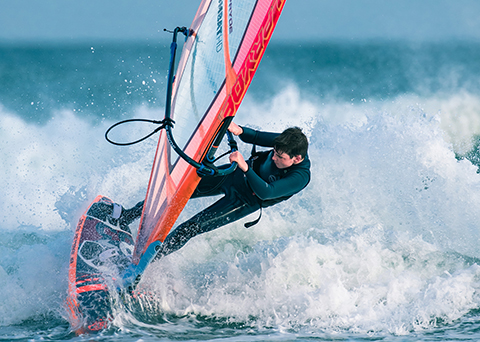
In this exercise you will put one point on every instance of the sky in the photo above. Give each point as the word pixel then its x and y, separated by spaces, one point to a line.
pixel 313 20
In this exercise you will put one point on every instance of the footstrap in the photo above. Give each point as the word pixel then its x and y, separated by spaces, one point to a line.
pixel 117 211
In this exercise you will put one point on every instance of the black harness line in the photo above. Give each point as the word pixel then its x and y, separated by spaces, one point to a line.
pixel 163 123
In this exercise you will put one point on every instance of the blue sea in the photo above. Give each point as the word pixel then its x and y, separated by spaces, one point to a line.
pixel 383 245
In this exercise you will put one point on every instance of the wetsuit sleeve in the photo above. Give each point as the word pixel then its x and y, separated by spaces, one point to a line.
pixel 287 186
pixel 251 136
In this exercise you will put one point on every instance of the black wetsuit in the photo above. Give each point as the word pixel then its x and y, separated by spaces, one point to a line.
pixel 244 193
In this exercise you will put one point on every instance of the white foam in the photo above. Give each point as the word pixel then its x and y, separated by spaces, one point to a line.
pixel 378 242
pixel 42 163
pixel 374 244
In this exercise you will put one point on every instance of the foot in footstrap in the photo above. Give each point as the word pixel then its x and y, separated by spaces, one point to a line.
pixel 129 215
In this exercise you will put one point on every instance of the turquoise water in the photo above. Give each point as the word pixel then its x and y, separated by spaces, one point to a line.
pixel 381 246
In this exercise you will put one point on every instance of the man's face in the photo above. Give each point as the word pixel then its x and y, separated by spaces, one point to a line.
pixel 283 160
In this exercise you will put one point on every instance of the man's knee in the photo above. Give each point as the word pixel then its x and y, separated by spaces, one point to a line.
pixel 179 237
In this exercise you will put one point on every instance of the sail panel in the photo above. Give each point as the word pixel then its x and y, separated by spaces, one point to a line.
pixel 210 84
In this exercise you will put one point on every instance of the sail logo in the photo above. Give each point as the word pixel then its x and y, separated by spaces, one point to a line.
pixel 219 33
pixel 219 37
pixel 272 178
pixel 230 17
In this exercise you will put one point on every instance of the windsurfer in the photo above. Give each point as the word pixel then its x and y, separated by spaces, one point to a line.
pixel 265 179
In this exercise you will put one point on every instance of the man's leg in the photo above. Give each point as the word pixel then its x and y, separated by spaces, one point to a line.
pixel 228 209
pixel 208 186
pixel 130 215
pixel 211 186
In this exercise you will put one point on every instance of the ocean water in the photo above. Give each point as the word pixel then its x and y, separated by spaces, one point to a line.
pixel 383 245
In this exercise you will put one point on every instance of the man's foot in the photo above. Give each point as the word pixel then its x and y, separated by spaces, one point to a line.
pixel 129 215
pixel 101 211
pixel 116 214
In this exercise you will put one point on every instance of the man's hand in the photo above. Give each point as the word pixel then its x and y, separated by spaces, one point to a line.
pixel 235 129
pixel 237 157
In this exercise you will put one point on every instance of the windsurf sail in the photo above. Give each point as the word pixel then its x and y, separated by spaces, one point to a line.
pixel 221 53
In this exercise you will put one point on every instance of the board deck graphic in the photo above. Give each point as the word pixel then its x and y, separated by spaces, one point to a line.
pixel 100 252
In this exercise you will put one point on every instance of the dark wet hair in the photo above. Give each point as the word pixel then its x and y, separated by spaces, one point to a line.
pixel 291 141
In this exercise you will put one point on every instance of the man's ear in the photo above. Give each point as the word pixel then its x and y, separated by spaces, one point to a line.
pixel 297 159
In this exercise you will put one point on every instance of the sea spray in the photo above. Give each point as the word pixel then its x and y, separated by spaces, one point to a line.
pixel 361 251
pixel 382 242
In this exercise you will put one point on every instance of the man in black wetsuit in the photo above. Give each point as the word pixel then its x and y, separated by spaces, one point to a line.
pixel 265 179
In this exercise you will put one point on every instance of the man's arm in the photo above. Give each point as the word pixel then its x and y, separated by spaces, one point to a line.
pixel 287 186
pixel 251 136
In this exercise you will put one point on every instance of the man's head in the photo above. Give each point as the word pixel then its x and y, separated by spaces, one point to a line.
pixel 290 148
